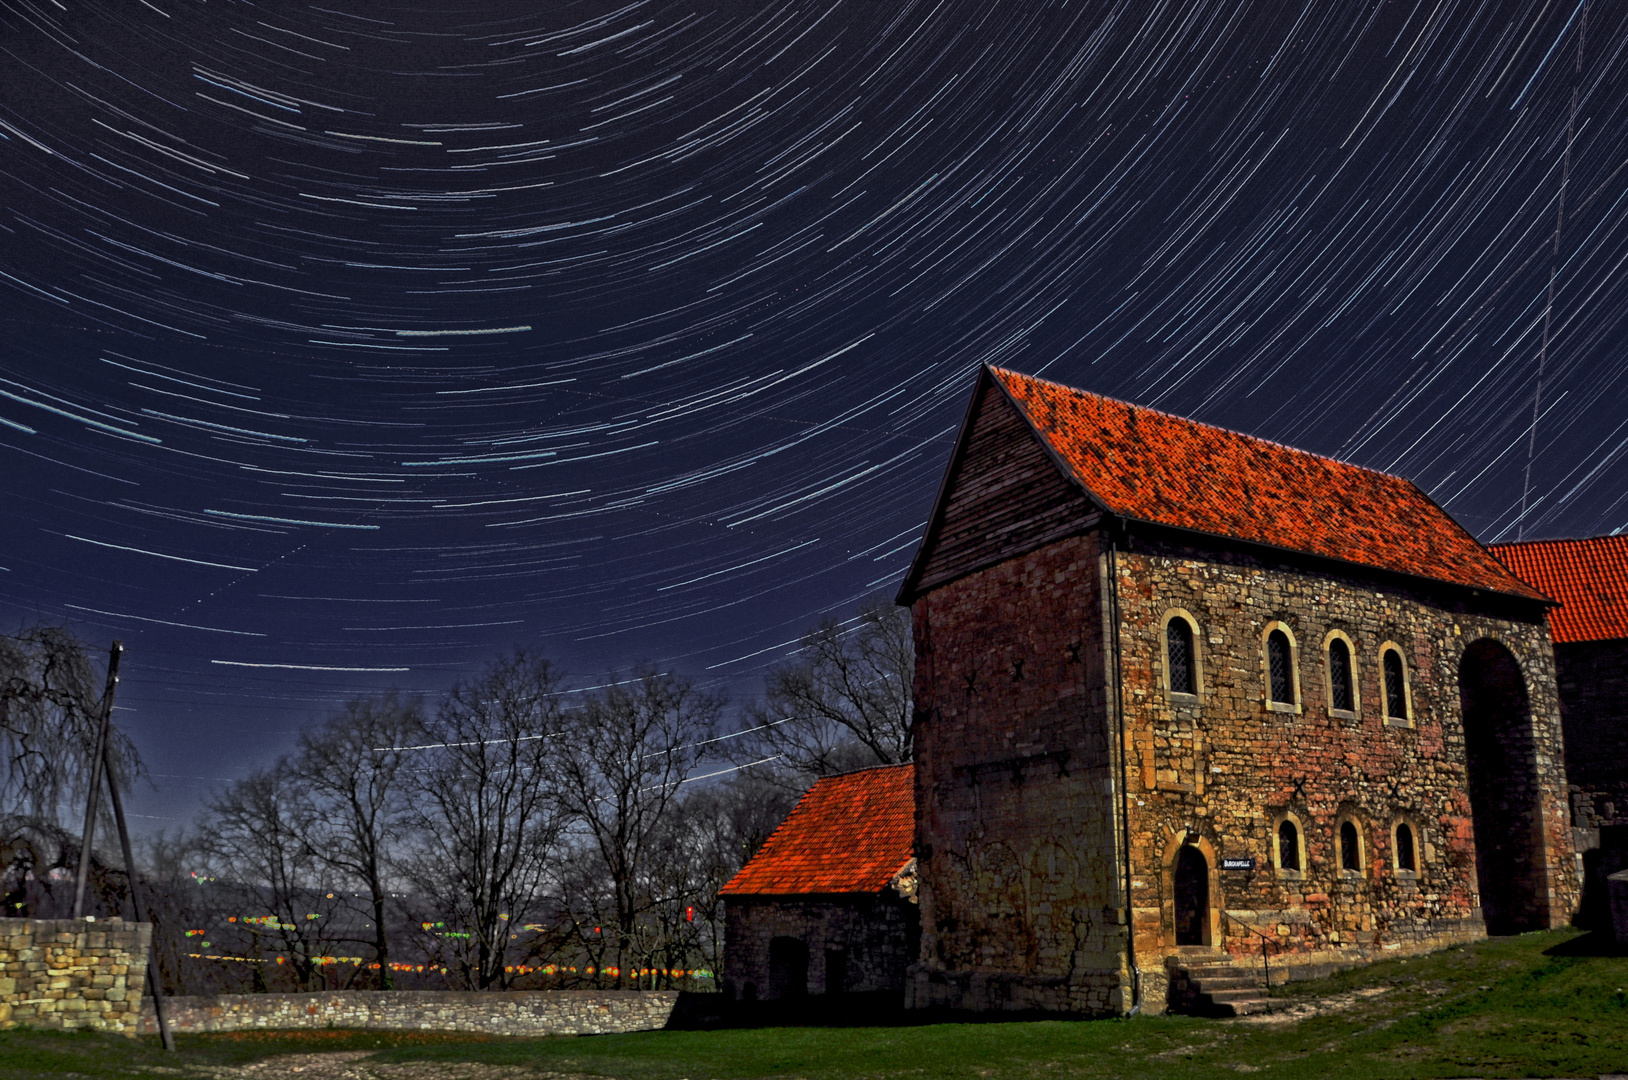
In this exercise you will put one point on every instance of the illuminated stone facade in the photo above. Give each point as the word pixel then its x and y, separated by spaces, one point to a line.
pixel 1072 780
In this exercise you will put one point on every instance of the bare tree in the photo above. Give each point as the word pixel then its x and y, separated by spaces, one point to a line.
pixel 844 701
pixel 257 841
pixel 351 767
pixel 485 823
pixel 716 830
pixel 50 710
pixel 626 752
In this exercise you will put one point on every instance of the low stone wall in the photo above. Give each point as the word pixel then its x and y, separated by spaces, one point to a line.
pixel 68 974
pixel 490 1012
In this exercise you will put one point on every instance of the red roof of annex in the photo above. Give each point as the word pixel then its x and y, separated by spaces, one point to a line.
pixel 849 834
pixel 1147 465
pixel 1589 578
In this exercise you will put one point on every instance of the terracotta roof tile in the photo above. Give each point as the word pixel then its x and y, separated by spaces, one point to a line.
pixel 1589 578
pixel 849 834
pixel 1146 465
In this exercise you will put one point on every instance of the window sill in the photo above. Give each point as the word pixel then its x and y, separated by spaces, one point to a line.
pixel 1398 722
pixel 1282 707
pixel 1291 875
pixel 1344 714
pixel 1186 701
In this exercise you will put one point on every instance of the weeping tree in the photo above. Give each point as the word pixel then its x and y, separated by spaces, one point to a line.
pixel 51 696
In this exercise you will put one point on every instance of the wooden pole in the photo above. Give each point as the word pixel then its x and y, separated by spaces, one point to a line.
pixel 135 900
pixel 88 837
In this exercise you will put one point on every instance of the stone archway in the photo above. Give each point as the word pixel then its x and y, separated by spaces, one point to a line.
pixel 1500 750
pixel 1191 891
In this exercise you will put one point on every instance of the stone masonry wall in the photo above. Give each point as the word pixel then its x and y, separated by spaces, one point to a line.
pixel 1593 678
pixel 69 974
pixel 1016 823
pixel 1222 769
pixel 515 1012
pixel 878 935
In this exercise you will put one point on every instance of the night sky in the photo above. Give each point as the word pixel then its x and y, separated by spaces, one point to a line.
pixel 348 344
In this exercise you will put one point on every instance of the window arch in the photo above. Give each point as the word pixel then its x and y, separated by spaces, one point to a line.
pixel 1281 668
pixel 1289 846
pixel 1405 848
pixel 1183 672
pixel 1340 663
pixel 1352 857
pixel 1395 693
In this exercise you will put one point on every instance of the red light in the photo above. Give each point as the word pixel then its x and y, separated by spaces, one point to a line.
pixel 689 914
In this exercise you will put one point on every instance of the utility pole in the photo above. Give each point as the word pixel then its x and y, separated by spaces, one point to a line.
pixel 135 900
pixel 88 837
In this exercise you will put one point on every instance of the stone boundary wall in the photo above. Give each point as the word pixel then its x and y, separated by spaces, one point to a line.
pixel 489 1012
pixel 69 974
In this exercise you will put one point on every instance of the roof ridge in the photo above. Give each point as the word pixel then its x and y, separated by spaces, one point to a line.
pixel 1559 540
pixel 1203 424
pixel 862 768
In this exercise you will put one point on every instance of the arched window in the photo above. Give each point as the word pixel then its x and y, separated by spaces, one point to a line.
pixel 1407 854
pixel 1179 656
pixel 1396 684
pixel 1280 667
pixel 1288 846
pixel 1341 688
pixel 1350 847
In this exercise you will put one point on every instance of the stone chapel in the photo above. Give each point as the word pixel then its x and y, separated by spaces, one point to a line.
pixel 1183 695
pixel 1180 688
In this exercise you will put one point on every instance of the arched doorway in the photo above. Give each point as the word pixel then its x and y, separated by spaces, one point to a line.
pixel 1501 755
pixel 788 967
pixel 1192 896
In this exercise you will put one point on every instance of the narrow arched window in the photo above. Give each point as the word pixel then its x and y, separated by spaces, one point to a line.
pixel 1280 664
pixel 1396 688
pixel 1406 857
pixel 1341 694
pixel 1179 650
pixel 1350 847
pixel 1288 846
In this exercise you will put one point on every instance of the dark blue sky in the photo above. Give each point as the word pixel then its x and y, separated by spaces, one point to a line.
pixel 347 344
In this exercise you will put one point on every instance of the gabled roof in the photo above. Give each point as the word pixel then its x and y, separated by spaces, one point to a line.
pixel 1145 465
pixel 850 834
pixel 1589 577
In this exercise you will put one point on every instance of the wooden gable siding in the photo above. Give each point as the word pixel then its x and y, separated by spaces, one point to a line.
pixel 1006 498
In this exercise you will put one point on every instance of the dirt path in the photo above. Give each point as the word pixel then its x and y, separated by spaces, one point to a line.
pixel 354 1065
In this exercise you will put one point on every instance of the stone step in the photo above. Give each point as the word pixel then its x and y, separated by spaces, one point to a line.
pixel 1243 1006
pixel 1223 983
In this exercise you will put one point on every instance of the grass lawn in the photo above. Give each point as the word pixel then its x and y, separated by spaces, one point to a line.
pixel 1532 1006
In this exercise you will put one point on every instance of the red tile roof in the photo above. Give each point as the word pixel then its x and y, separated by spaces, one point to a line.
pixel 1147 465
pixel 1588 577
pixel 849 834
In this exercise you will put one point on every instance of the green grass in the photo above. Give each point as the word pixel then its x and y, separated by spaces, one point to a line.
pixel 1531 1006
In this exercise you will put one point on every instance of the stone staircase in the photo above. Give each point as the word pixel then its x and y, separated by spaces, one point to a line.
pixel 1209 982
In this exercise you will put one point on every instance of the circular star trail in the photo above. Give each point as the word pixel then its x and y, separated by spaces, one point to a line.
pixel 347 344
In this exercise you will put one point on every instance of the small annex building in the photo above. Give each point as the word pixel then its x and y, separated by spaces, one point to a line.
pixel 1590 579
pixel 1179 689
pixel 828 903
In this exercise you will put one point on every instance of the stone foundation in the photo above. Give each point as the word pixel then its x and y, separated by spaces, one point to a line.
pixel 70 974
pixel 490 1012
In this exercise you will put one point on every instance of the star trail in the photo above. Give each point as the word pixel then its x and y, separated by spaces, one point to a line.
pixel 348 344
